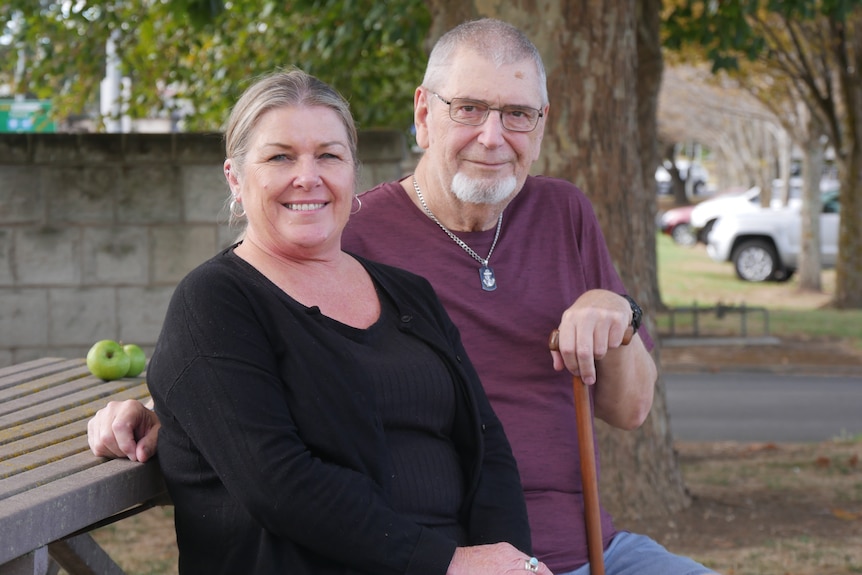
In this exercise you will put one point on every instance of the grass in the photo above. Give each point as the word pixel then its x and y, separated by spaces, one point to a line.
pixel 777 508
pixel 687 277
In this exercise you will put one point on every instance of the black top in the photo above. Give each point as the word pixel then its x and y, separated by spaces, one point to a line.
pixel 416 399
pixel 275 446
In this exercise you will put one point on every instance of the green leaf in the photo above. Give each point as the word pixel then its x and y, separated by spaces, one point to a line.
pixel 198 55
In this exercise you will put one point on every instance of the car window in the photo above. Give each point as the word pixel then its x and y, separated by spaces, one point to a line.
pixel 832 206
pixel 830 203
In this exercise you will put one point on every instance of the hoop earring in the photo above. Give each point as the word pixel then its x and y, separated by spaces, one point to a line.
pixel 236 208
pixel 356 197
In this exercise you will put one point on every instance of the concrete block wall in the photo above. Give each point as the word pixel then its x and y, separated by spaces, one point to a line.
pixel 97 229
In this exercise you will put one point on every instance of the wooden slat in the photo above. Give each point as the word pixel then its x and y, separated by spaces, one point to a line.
pixel 31 365
pixel 48 454
pixel 55 412
pixel 16 374
pixel 35 434
pixel 37 562
pixel 46 514
pixel 77 428
pixel 61 432
pixel 81 555
pixel 77 461
pixel 43 389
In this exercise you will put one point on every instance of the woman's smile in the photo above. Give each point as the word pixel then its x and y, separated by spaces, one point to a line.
pixel 305 207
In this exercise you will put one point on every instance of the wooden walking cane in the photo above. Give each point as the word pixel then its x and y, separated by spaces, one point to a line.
pixel 589 475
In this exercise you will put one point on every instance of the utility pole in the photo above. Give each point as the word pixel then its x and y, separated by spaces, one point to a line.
pixel 113 90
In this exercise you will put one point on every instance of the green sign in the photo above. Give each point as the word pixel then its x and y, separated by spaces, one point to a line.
pixel 26 116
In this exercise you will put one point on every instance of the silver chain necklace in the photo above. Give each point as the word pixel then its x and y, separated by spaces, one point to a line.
pixel 486 273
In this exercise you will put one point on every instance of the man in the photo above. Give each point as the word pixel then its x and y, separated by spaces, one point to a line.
pixel 512 257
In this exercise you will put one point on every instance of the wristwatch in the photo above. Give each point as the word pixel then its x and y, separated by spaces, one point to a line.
pixel 637 313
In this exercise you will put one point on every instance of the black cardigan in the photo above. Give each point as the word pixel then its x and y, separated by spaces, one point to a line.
pixel 270 445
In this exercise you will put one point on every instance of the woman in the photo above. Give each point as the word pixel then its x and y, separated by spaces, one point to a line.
pixel 319 414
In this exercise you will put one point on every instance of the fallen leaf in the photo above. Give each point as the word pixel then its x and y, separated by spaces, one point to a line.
pixel 844 514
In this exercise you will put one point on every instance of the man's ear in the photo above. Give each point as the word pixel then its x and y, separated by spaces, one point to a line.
pixel 420 117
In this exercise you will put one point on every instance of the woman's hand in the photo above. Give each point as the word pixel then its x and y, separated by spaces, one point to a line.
pixel 124 429
pixel 494 559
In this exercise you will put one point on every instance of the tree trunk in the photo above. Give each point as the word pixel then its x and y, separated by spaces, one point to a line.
pixel 592 138
pixel 848 276
pixel 785 156
pixel 445 15
pixel 677 184
pixel 848 273
pixel 809 246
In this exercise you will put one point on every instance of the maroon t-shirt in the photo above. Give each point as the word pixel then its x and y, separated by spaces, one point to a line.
pixel 549 252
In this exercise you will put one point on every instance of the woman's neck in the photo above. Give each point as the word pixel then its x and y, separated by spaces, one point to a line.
pixel 337 284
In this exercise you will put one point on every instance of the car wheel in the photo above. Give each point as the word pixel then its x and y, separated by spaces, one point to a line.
pixel 683 235
pixel 755 261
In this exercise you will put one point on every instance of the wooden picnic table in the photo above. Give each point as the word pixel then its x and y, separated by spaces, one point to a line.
pixel 53 490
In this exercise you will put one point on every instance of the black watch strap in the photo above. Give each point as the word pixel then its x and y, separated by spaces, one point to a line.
pixel 637 313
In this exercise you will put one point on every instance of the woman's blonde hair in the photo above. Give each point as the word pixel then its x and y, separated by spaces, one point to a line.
pixel 278 90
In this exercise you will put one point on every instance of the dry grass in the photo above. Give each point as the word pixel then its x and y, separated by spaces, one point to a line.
pixel 144 544
pixel 785 509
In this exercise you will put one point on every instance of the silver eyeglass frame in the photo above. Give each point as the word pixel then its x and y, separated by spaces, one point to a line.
pixel 488 109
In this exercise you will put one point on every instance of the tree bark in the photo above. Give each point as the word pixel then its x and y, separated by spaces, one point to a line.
pixel 809 246
pixel 592 138
pixel 677 184
pixel 445 15
pixel 848 276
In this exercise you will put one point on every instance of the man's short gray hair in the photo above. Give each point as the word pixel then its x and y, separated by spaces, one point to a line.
pixel 498 41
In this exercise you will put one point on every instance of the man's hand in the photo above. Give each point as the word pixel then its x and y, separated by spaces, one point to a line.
pixel 495 559
pixel 591 339
pixel 592 326
pixel 124 429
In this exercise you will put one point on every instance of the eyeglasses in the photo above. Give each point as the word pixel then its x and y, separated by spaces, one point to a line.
pixel 475 112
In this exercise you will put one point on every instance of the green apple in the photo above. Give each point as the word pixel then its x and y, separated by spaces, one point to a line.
pixel 107 360
pixel 137 357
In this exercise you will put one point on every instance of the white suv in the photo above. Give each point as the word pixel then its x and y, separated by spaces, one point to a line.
pixel 764 244
pixel 706 213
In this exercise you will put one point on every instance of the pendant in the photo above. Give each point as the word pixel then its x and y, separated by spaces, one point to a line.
pixel 489 282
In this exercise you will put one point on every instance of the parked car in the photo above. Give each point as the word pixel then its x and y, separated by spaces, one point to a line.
pixel 764 244
pixel 735 201
pixel 676 223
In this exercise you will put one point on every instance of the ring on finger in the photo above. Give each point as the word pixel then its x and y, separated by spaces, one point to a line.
pixel 531 564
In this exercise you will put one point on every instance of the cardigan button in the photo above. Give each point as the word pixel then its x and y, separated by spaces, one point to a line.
pixel 406 318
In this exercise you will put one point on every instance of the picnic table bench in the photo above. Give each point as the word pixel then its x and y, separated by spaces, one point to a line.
pixel 53 490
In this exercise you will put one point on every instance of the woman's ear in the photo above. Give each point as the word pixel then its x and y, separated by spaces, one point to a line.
pixel 230 174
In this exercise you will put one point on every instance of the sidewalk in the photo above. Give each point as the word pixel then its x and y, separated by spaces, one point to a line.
pixel 686 355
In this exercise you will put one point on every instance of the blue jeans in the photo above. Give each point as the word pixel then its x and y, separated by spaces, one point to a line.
pixel 633 554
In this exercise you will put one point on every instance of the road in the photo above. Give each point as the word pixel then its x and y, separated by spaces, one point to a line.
pixel 763 406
